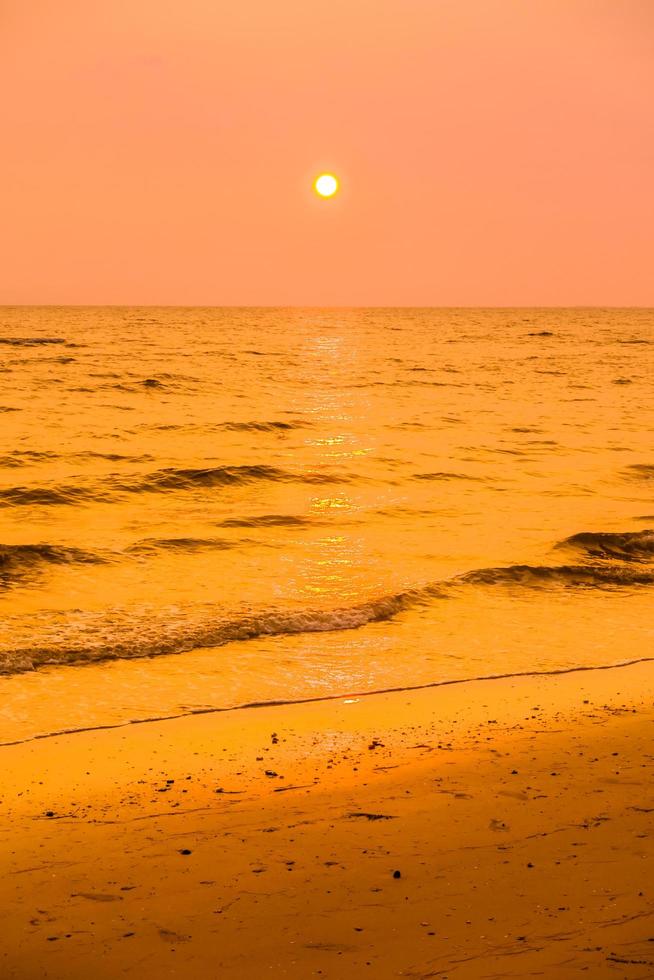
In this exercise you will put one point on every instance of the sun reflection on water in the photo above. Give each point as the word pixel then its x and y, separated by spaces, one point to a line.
pixel 332 570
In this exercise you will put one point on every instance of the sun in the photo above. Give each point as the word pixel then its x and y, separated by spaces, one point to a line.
pixel 326 185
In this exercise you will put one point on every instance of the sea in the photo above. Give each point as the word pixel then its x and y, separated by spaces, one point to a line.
pixel 208 508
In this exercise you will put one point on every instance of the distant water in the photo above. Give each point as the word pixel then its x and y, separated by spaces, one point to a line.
pixel 213 507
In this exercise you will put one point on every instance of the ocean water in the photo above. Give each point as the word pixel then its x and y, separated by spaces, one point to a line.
pixel 206 508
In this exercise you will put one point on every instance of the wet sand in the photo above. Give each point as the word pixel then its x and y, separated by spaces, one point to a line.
pixel 489 829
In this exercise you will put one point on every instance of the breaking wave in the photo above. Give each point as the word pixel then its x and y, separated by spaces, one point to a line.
pixel 92 646
pixel 137 640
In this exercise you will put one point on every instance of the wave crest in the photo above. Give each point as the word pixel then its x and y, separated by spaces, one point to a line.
pixel 630 546
pixel 161 481
pixel 640 471
pixel 31 341
pixel 154 545
pixel 266 520
pixel 260 426
pixel 571 576
pixel 47 496
pixel 18 561
pixel 443 476
pixel 216 476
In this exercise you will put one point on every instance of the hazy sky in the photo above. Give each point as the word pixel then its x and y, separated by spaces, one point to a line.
pixel 491 152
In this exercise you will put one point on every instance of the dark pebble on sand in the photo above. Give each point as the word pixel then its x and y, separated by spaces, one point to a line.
pixel 397 874
pixel 49 813
pixel 185 850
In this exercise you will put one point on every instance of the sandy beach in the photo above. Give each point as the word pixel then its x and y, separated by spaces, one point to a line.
pixel 487 829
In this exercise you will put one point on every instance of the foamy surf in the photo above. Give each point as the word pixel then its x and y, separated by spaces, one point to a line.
pixel 132 641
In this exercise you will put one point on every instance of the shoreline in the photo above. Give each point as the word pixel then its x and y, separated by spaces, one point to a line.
pixel 518 812
pixel 254 705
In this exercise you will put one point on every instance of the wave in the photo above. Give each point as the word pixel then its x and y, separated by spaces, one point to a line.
pixel 132 645
pixel 153 545
pixel 48 496
pixel 267 520
pixel 40 359
pixel 32 554
pixel 640 471
pixel 25 457
pixel 630 546
pixel 444 476
pixel 161 481
pixel 273 426
pixel 112 457
pixel 218 476
pixel 144 641
pixel 31 341
pixel 131 386
pixel 260 426
pixel 19 561
pixel 571 576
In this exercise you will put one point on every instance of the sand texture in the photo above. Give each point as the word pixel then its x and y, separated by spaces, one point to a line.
pixel 489 829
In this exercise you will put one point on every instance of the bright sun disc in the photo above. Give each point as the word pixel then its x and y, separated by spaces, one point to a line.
pixel 326 185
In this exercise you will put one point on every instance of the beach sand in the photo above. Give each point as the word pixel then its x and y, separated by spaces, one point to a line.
pixel 500 828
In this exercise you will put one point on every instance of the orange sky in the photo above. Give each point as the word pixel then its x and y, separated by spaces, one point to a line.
pixel 491 152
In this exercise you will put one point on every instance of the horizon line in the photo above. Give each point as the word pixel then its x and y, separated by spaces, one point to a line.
pixel 318 306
